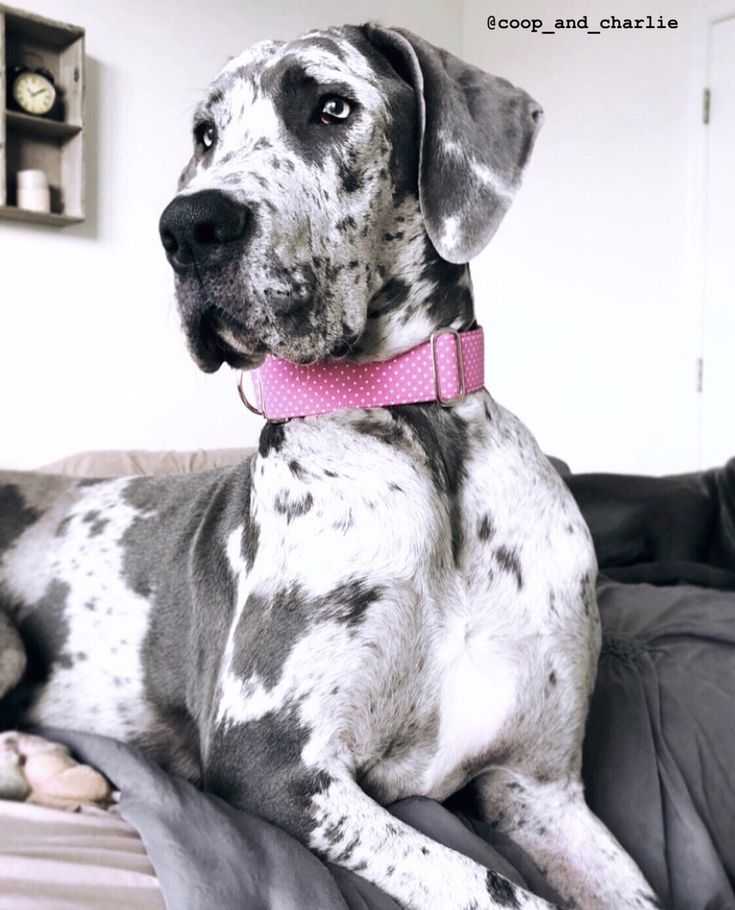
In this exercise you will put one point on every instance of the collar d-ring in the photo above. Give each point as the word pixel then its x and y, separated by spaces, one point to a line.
pixel 244 398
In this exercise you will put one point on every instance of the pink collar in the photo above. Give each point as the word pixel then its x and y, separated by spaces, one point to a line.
pixel 445 368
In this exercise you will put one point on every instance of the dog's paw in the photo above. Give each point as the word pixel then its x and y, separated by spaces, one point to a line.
pixel 38 771
pixel 13 783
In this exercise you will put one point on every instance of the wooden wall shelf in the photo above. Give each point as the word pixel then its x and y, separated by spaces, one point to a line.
pixel 55 146
pixel 13 213
pixel 38 126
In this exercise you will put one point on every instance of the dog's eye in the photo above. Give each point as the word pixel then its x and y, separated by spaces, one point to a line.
pixel 205 135
pixel 334 109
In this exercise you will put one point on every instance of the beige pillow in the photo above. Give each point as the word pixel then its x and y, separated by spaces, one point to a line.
pixel 122 463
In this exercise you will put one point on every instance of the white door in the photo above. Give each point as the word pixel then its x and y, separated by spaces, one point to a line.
pixel 718 375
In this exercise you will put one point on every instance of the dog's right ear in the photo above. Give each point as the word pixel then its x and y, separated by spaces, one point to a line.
pixel 476 133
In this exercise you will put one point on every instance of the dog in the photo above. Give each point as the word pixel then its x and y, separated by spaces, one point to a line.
pixel 382 602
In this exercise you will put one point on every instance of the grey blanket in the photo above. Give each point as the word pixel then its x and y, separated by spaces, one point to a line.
pixel 208 855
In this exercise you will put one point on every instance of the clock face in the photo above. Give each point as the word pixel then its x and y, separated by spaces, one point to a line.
pixel 34 93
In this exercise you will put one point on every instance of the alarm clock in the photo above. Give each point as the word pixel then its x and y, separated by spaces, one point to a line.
pixel 33 90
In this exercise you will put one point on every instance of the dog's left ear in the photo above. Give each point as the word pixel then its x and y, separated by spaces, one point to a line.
pixel 476 135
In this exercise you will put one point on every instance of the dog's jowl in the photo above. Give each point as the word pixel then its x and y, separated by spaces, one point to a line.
pixel 383 601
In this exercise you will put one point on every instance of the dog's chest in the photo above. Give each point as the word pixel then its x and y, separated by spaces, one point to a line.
pixel 471 586
pixel 476 695
pixel 458 705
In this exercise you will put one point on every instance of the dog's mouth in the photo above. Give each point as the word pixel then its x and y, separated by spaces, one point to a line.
pixel 217 338
pixel 235 327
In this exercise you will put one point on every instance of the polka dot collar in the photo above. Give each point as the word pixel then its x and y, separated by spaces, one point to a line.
pixel 445 368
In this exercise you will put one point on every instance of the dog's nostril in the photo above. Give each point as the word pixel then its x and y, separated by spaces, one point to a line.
pixel 205 232
pixel 230 225
pixel 170 244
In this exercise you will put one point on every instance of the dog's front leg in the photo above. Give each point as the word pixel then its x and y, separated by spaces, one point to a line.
pixel 580 857
pixel 325 809
pixel 353 831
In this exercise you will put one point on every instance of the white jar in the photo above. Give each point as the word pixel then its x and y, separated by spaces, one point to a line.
pixel 33 191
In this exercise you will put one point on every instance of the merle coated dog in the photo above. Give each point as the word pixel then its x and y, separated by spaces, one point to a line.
pixel 381 602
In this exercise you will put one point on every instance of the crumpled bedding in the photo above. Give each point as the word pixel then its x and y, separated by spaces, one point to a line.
pixel 207 854
pixel 659 759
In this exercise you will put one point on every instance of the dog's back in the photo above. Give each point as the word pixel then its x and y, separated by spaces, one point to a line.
pixel 99 577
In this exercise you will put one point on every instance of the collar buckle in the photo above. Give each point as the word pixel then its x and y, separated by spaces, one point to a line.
pixel 458 399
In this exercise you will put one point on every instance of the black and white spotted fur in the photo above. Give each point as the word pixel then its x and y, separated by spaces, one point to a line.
pixel 380 603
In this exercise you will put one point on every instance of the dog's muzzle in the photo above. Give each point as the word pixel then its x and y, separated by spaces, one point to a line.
pixel 205 235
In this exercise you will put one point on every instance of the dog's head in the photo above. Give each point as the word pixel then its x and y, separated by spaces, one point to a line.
pixel 338 185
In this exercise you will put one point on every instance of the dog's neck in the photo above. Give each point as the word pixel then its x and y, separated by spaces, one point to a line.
pixel 418 293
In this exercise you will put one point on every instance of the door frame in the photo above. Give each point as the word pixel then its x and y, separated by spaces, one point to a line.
pixel 703 17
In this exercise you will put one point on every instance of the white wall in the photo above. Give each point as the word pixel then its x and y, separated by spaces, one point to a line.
pixel 91 356
pixel 589 292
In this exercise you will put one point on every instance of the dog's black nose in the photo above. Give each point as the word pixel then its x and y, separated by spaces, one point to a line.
pixel 197 227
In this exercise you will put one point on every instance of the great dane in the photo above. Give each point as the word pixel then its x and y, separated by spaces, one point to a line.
pixel 381 602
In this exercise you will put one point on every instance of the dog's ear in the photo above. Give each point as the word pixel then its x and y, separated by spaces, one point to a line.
pixel 476 135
